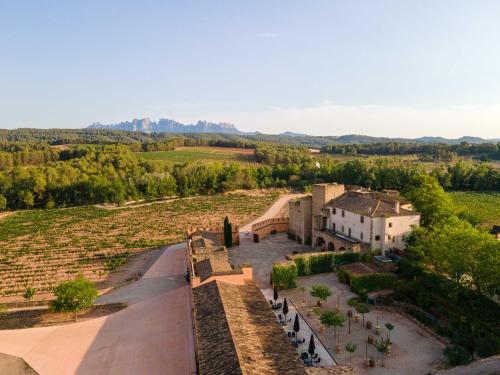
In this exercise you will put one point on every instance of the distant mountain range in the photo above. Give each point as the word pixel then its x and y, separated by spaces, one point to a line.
pixel 145 125
pixel 170 126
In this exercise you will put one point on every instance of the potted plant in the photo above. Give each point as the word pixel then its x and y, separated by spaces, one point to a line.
pixel 371 361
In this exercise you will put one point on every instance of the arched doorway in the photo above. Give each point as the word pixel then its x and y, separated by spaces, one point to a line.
pixel 342 248
pixel 331 246
pixel 320 242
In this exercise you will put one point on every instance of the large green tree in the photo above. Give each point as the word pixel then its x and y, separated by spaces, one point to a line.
pixel 429 199
pixel 464 253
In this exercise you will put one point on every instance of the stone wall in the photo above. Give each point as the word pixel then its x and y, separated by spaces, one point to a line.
pixel 264 228
pixel 216 235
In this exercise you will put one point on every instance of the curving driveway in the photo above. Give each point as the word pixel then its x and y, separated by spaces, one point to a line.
pixel 153 335
pixel 278 209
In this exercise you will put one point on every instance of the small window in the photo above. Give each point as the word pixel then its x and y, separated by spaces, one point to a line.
pixel 335 211
pixel 393 239
pixel 343 213
pixel 342 229
pixel 361 235
pixel 403 237
pixel 362 219
pixel 389 237
pixel 334 227
pixel 349 232
pixel 390 225
pixel 377 238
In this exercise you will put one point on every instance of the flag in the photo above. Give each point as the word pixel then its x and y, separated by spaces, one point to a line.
pixel 318 165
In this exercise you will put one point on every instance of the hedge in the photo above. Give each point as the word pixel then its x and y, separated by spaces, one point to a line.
pixel 363 284
pixel 285 275
pixel 374 281
pixel 310 264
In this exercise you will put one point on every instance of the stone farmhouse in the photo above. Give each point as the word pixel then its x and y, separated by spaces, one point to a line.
pixel 336 217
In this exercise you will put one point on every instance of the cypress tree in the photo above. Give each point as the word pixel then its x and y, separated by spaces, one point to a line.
pixel 228 233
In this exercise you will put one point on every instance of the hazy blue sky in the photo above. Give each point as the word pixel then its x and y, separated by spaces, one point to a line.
pixel 401 68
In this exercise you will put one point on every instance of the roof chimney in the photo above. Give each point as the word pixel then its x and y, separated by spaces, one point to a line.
pixel 396 206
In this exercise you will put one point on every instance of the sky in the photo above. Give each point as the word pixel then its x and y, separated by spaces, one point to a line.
pixel 384 68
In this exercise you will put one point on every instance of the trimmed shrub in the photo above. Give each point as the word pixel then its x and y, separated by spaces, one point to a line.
pixel 285 275
pixel 74 295
pixel 374 281
pixel 310 264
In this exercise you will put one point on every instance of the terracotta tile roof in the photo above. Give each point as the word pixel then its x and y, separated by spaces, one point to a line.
pixel 368 203
pixel 333 370
pixel 237 333
pixel 216 263
pixel 215 347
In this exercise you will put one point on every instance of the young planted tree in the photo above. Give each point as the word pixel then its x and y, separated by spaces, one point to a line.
pixel 363 308
pixel 74 295
pixel 332 319
pixel 228 233
pixel 382 346
pixel 29 293
pixel 350 348
pixel 321 292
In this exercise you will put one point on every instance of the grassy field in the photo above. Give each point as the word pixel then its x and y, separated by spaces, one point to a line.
pixel 484 206
pixel 39 248
pixel 203 154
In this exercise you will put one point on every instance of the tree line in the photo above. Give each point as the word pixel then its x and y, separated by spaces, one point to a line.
pixel 436 151
pixel 38 175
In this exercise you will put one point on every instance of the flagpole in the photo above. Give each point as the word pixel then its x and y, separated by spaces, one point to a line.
pixel 318 166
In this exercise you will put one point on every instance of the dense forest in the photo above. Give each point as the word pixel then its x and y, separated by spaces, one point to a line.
pixel 60 168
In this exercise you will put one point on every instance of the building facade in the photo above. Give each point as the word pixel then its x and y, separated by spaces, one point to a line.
pixel 353 219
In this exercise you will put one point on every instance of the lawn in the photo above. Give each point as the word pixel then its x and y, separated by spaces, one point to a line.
pixel 202 154
pixel 40 248
pixel 483 206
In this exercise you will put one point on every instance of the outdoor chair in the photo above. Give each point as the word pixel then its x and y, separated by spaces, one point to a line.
pixel 317 360
pixel 308 362
pixel 277 306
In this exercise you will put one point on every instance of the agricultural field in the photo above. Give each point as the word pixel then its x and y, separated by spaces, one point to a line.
pixel 205 154
pixel 40 248
pixel 483 206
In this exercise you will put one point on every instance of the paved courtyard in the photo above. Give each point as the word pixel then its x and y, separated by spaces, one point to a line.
pixel 413 351
pixel 263 255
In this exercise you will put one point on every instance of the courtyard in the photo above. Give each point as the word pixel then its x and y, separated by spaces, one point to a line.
pixel 413 349
pixel 263 255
